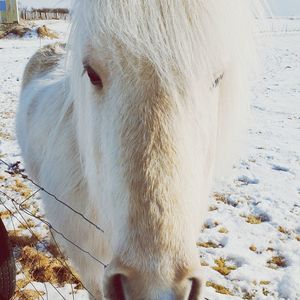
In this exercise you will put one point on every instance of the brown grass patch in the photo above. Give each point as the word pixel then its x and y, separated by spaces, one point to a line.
pixel 283 230
pixel 251 219
pixel 18 30
pixel 219 288
pixel 223 230
pixel 28 224
pixel 248 296
pixel 29 295
pixel 212 208
pixel 208 245
pixel 21 188
pixel 19 240
pixel 253 248
pixel 277 262
pixel 45 32
pixel 204 263
pixel 22 283
pixel 52 248
pixel 222 268
pixel 5 135
pixel 42 268
pixel 298 238
pixel 5 214
pixel 220 197
pixel 265 291
pixel 264 282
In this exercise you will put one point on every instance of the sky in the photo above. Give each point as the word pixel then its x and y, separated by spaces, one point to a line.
pixel 279 7
pixel 285 7
pixel 45 3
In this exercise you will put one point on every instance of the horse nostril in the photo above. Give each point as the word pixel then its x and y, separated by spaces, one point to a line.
pixel 195 289
pixel 115 288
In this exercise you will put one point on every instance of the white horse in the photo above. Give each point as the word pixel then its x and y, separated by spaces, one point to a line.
pixel 131 132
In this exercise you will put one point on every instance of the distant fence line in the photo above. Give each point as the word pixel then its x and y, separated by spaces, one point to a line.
pixel 40 14
pixel 279 26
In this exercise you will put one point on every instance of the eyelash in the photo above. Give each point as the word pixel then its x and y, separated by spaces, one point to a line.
pixel 217 81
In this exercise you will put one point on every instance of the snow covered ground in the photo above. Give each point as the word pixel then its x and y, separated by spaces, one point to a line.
pixel 250 244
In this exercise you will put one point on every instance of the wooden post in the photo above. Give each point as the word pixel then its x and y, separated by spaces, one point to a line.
pixel 2 11
pixel 9 11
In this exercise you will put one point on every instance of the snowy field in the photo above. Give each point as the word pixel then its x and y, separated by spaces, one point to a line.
pixel 250 244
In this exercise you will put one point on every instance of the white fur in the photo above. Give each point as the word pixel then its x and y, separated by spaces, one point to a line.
pixel 70 133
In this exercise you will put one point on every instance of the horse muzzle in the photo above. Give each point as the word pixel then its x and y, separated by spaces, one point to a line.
pixel 122 283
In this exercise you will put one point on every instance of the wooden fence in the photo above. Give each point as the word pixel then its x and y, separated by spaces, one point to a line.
pixel 43 15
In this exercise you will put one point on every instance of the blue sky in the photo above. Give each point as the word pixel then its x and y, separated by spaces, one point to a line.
pixel 45 3
pixel 285 7
pixel 279 7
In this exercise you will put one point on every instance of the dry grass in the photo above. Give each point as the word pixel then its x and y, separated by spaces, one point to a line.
pixel 222 268
pixel 264 282
pixel 220 197
pixel 29 224
pixel 19 240
pixel 18 30
pixel 5 214
pixel 253 248
pixel 204 263
pixel 223 230
pixel 42 268
pixel 265 291
pixel 208 245
pixel 251 219
pixel 5 135
pixel 21 188
pixel 28 294
pixel 45 32
pixel 249 296
pixel 219 288
pixel 283 230
pixel 21 29
pixel 22 283
pixel 277 262
pixel 213 208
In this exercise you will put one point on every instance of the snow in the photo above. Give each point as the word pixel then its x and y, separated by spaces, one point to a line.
pixel 254 218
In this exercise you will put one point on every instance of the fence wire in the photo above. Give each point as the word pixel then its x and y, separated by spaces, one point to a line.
pixel 21 208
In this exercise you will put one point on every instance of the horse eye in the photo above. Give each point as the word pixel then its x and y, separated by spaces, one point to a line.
pixel 94 77
pixel 217 80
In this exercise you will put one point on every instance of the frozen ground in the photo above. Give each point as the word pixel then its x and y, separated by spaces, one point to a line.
pixel 250 244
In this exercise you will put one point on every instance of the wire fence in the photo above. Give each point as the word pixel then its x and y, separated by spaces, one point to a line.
pixel 18 210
